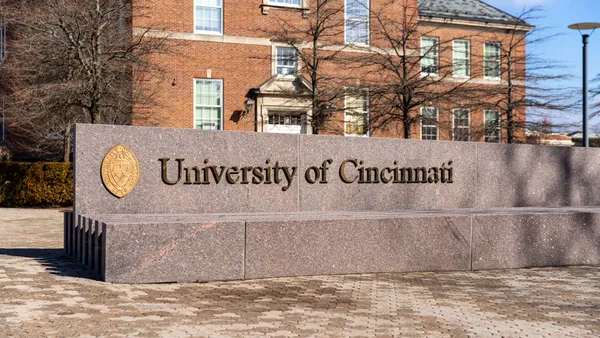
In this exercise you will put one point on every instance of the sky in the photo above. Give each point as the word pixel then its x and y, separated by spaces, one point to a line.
pixel 566 48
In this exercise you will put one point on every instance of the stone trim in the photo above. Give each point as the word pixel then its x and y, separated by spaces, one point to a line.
pixel 469 23
pixel 304 7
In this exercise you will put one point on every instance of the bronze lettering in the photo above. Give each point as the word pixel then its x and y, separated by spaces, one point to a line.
pixel 396 172
pixel 277 174
pixel 245 171
pixel 372 175
pixel 232 171
pixel 307 176
pixel 324 169
pixel 188 178
pixel 387 179
pixel 450 171
pixel 343 171
pixel 268 173
pixel 276 168
pixel 164 174
pixel 423 172
pixel 405 175
pixel 361 173
pixel 289 176
pixel 443 171
pixel 433 175
pixel 205 173
pixel 258 175
pixel 218 177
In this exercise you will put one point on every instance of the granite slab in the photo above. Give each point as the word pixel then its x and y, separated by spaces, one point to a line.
pixel 360 245
pixel 513 175
pixel 175 252
pixel 325 173
pixel 534 240
pixel 186 248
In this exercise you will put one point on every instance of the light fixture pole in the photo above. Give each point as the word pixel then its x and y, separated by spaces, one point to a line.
pixel 585 38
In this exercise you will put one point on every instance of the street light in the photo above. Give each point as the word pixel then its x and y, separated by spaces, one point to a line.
pixel 585 26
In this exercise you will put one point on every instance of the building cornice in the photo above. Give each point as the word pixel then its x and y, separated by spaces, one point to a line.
pixel 475 23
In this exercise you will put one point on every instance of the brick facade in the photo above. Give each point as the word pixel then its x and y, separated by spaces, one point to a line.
pixel 242 58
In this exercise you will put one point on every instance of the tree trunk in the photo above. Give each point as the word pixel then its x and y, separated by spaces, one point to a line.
pixel 509 112
pixel 67 144
pixel 94 112
pixel 406 123
pixel 510 133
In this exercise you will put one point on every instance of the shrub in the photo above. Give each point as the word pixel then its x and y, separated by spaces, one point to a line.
pixel 37 184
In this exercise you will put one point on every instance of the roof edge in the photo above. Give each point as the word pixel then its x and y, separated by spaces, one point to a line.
pixel 513 22
pixel 480 22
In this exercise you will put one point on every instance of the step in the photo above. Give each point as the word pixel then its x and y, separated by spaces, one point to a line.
pixel 138 248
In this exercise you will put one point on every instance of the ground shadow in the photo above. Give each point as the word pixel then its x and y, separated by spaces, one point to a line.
pixel 55 261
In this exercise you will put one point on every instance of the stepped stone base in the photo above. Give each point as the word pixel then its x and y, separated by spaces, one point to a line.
pixel 208 247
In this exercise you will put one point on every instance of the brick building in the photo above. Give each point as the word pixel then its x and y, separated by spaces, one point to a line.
pixel 232 66
pixel 231 70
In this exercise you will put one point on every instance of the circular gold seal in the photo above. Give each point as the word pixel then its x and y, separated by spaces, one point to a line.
pixel 120 170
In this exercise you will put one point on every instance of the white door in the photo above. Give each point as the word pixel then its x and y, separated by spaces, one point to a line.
pixel 283 122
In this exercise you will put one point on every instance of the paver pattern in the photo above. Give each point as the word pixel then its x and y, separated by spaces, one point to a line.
pixel 44 294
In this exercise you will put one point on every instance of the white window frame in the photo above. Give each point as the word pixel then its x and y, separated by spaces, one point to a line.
pixel 275 66
pixel 499 61
pixel 348 92
pixel 221 117
pixel 368 21
pixel 209 32
pixel 499 128
pixel 437 49
pixel 292 114
pixel 468 126
pixel 280 4
pixel 468 59
pixel 437 128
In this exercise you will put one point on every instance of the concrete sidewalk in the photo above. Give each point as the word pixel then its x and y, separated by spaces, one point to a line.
pixel 44 294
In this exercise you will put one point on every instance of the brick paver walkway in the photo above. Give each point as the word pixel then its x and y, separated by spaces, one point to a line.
pixel 43 294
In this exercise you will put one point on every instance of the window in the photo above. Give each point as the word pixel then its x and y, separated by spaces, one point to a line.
pixel 286 61
pixel 462 124
pixel 429 123
pixel 491 60
pixel 285 119
pixel 357 112
pixel 208 15
pixel 493 133
pixel 461 58
pixel 208 104
pixel 285 2
pixel 357 22
pixel 429 55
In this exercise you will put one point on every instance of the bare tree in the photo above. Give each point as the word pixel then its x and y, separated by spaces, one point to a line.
pixel 595 97
pixel 530 83
pixel 317 41
pixel 74 61
pixel 4 83
pixel 3 31
pixel 406 74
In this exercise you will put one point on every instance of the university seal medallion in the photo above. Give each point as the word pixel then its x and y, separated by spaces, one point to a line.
pixel 120 171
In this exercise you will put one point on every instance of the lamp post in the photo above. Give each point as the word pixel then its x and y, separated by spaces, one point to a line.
pixel 585 26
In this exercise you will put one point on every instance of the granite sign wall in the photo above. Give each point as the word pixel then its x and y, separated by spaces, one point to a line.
pixel 159 204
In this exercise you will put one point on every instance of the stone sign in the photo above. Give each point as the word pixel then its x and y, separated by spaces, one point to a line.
pixel 162 205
